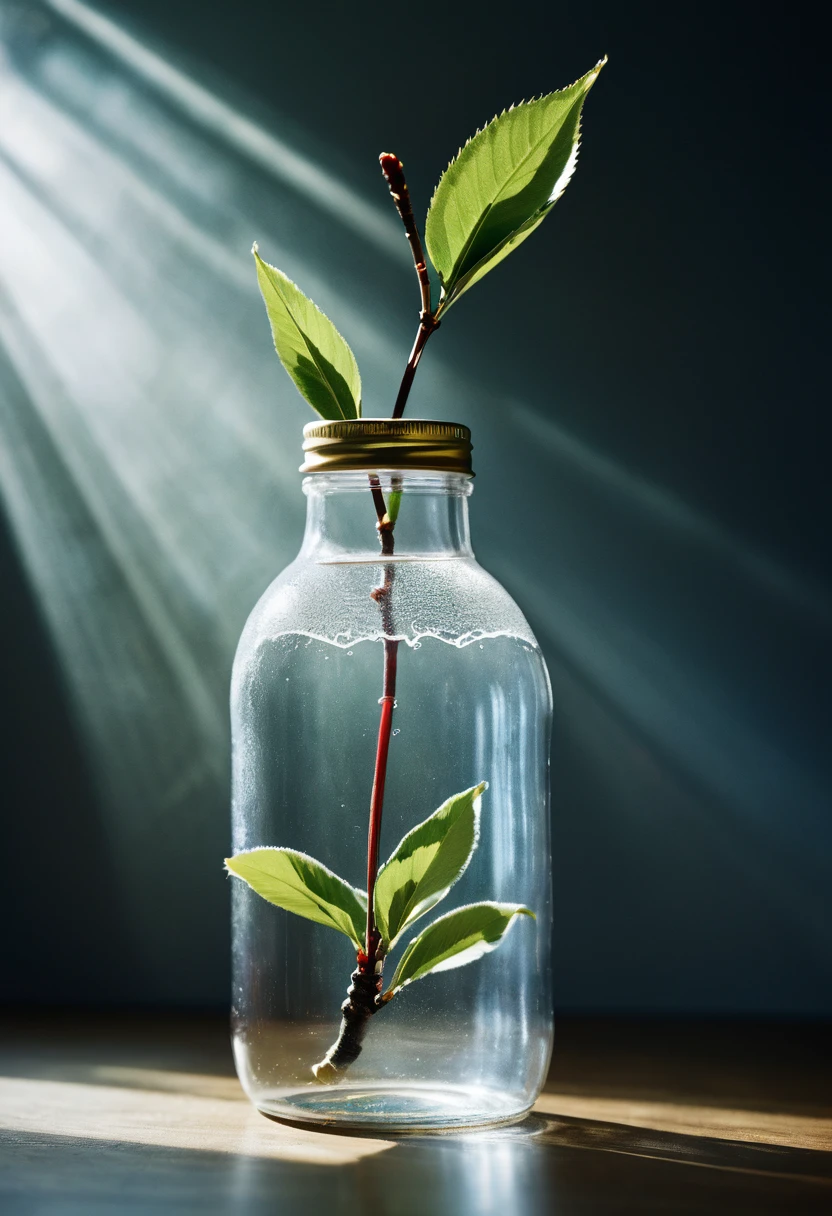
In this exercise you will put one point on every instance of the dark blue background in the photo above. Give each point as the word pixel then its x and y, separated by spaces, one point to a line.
pixel 645 380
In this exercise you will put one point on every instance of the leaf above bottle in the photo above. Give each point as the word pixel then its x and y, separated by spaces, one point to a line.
pixel 299 884
pixel 502 185
pixel 309 346
pixel 454 940
pixel 426 864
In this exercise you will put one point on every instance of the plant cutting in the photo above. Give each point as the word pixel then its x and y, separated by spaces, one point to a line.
pixel 493 195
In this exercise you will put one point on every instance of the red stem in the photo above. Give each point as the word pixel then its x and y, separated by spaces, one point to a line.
pixel 393 171
pixel 379 778
pixel 365 991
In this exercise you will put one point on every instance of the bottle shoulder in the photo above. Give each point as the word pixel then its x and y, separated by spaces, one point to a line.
pixel 454 600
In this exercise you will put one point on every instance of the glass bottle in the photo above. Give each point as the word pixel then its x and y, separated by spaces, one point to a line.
pixel 310 694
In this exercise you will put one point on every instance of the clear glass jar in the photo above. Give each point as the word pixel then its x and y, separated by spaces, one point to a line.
pixel 462 1047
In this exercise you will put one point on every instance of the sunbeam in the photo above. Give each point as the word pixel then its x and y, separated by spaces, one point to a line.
pixel 149 476
pixel 299 173
pixel 672 512
pixel 141 460
pixel 172 1120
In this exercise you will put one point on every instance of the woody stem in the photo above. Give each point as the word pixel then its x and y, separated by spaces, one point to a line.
pixel 393 171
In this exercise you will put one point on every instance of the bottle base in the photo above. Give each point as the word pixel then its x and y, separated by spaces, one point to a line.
pixel 392 1108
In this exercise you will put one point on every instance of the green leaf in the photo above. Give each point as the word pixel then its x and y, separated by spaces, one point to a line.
pixel 455 939
pixel 310 348
pixel 427 863
pixel 502 185
pixel 299 884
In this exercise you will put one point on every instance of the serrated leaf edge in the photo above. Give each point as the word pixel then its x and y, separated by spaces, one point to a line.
pixel 515 105
pixel 426 905
pixel 446 299
pixel 255 249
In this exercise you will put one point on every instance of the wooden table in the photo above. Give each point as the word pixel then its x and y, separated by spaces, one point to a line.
pixel 143 1114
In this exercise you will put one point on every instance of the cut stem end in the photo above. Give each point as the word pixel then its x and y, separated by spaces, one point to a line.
pixel 325 1072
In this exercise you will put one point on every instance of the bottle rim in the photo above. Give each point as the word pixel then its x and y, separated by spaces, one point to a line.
pixel 386 443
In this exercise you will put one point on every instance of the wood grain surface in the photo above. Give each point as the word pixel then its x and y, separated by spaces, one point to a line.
pixel 144 1115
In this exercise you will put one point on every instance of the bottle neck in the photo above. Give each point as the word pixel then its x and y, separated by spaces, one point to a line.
pixel 431 524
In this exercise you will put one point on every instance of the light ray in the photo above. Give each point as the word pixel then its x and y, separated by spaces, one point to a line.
pixel 143 455
pixel 373 223
pixel 197 1123
pixel 145 417
pixel 673 512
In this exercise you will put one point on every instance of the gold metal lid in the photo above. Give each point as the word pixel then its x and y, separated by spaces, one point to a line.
pixel 386 443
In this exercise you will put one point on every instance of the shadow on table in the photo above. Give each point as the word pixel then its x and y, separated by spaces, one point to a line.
pixel 542 1166
pixel 134 1120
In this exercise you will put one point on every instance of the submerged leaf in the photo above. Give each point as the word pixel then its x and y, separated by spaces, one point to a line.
pixel 502 185
pixel 427 863
pixel 455 939
pixel 299 884
pixel 310 348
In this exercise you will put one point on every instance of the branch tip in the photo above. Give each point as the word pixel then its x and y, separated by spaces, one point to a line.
pixel 393 171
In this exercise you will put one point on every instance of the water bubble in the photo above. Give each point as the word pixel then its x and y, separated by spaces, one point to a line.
pixel 417 645
pixel 287 679
pixel 480 645
pixel 349 653
pixel 397 731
